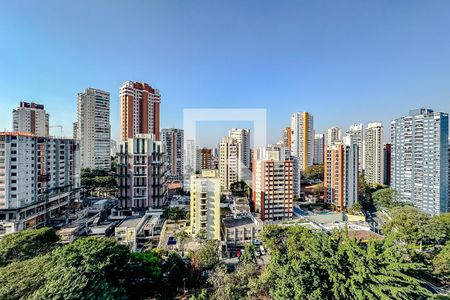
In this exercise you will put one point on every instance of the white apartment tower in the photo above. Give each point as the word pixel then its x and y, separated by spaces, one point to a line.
pixel 341 174
pixel 273 185
pixel 333 135
pixel 356 134
pixel 93 129
pixel 205 204
pixel 229 161
pixel 319 144
pixel 39 177
pixel 373 154
pixel 30 118
pixel 302 138
pixel 173 140
pixel 242 136
pixel 142 173
pixel 419 160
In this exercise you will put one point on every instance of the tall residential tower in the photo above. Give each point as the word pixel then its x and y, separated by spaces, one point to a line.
pixel 419 154
pixel 139 110
pixel 93 129
pixel 302 138
pixel 30 118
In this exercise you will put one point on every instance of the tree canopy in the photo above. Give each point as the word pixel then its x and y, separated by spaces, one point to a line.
pixel 309 264
pixel 313 172
pixel 26 244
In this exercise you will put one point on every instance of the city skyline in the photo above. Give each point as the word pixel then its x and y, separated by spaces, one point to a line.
pixel 311 64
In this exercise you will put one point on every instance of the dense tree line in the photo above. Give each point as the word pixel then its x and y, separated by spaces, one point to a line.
pixel 35 266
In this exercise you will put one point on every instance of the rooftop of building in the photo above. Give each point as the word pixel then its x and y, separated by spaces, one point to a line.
pixel 130 222
pixel 241 220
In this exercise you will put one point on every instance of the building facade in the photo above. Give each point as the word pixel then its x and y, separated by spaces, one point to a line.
pixel 229 161
pixel 173 140
pixel 273 186
pixel 302 138
pixel 94 129
pixel 139 110
pixel 31 118
pixel 341 175
pixel 205 204
pixel 242 137
pixel 333 135
pixel 142 173
pixel 204 159
pixel 373 154
pixel 356 134
pixel 419 155
pixel 319 145
pixel 39 177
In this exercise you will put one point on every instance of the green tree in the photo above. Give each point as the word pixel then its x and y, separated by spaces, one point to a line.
pixel 232 285
pixel 249 255
pixel 89 268
pixel 174 214
pixel 384 198
pixel 26 244
pixel 407 224
pixel 203 295
pixel 441 263
pixel 314 172
pixel 181 237
pixel 207 257
pixel 309 264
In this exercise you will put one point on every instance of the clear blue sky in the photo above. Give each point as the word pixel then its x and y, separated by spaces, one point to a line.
pixel 344 61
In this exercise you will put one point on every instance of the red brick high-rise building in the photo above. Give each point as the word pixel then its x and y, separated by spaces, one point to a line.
pixel 139 110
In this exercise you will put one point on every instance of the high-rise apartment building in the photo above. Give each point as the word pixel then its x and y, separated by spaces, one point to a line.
pixel 204 159
pixel 273 185
pixel 173 140
pixel 242 136
pixel 419 157
pixel 302 138
pixel 319 145
pixel 286 140
pixel 356 134
pixel 229 162
pixel 139 110
pixel 189 157
pixel 333 135
pixel 387 164
pixel 142 173
pixel 341 175
pixel 94 129
pixel 373 153
pixel 39 177
pixel 205 204
pixel 31 118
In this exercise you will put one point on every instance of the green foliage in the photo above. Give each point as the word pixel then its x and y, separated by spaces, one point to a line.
pixel 207 257
pixel 20 279
pixel 174 214
pixel 235 285
pixel 385 198
pixel 26 244
pixel 89 268
pixel 441 263
pixel 249 255
pixel 407 224
pixel 92 179
pixel 313 172
pixel 313 265
pixel 203 295
pixel 150 260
